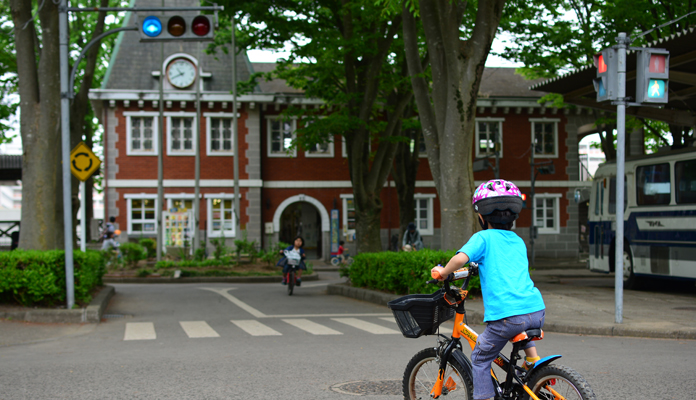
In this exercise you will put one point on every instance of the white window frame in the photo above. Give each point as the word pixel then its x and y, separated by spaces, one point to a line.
pixel 209 137
pixel 555 122
pixel 170 197
pixel 209 201
pixel 283 154
pixel 194 125
pixel 141 196
pixel 344 211
pixel 329 154
pixel 344 152
pixel 556 216
pixel 500 136
pixel 430 230
pixel 155 132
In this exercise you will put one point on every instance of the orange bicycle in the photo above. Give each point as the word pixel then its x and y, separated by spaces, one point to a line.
pixel 445 371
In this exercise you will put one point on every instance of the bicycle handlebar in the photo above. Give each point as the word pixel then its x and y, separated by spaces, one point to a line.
pixel 456 275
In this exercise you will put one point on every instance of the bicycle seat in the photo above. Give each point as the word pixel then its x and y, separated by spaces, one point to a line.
pixel 529 334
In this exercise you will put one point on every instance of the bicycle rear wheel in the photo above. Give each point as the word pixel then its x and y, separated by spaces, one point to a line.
pixel 559 379
pixel 291 281
pixel 421 374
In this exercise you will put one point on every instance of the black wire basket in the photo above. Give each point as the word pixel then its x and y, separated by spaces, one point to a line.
pixel 420 314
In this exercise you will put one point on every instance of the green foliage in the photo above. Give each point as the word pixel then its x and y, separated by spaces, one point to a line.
pixel 399 273
pixel 185 273
pixel 272 255
pixel 200 253
pixel 192 263
pixel 221 249
pixel 143 273
pixel 36 277
pixel 244 246
pixel 150 246
pixel 133 252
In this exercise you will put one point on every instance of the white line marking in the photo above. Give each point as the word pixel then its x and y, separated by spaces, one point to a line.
pixel 140 331
pixel 388 319
pixel 311 327
pixel 251 310
pixel 198 329
pixel 255 328
pixel 366 326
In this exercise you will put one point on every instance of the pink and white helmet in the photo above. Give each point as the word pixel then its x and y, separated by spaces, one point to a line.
pixel 497 194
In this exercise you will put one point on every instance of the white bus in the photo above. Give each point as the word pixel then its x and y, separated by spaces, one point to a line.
pixel 659 218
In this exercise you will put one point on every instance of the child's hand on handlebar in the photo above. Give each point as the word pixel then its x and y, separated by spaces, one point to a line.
pixel 436 273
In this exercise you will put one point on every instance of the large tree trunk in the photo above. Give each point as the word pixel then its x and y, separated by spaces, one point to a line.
pixel 368 175
pixel 79 110
pixel 39 91
pixel 404 173
pixel 447 108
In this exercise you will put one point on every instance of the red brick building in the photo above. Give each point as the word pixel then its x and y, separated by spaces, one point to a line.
pixel 281 193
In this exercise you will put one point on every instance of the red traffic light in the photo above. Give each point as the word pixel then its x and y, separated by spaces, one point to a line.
pixel 524 197
pixel 176 26
pixel 601 65
pixel 200 26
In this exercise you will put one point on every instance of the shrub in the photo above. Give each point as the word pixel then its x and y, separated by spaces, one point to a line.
pixel 220 248
pixel 150 246
pixel 38 277
pixel 399 273
pixel 272 255
pixel 133 252
pixel 143 273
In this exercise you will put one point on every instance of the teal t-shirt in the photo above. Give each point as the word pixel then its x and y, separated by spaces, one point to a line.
pixel 504 271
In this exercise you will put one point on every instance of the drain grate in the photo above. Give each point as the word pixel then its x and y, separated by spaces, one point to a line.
pixel 369 388
pixel 116 316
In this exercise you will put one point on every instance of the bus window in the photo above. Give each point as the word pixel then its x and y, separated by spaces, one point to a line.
pixel 686 181
pixel 612 195
pixel 596 205
pixel 653 185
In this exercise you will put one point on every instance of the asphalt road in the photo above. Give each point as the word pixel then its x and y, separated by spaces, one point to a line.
pixel 240 341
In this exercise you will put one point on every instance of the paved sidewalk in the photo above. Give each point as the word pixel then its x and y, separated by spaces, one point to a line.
pixel 583 302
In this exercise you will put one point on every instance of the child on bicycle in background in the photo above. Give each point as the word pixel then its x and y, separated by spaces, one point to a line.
pixel 297 245
pixel 512 304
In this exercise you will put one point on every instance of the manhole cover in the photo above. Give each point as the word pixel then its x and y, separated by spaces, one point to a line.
pixel 685 308
pixel 369 388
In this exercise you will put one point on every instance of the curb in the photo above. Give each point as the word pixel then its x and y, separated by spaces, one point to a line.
pixel 475 318
pixel 209 279
pixel 91 314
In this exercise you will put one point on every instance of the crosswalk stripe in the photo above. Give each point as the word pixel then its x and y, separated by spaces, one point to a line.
pixel 198 329
pixel 311 327
pixel 255 328
pixel 388 319
pixel 366 326
pixel 140 331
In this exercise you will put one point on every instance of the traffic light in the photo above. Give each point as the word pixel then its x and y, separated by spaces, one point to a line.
pixel 652 76
pixel 606 84
pixel 189 28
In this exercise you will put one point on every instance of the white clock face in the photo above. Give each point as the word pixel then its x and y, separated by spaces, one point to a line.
pixel 181 73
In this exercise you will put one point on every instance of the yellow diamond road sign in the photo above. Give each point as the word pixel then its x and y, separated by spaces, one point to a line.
pixel 83 163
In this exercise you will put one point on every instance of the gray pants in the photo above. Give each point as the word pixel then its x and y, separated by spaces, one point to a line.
pixel 492 341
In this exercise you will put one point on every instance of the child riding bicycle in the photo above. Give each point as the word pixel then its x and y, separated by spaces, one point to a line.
pixel 512 304
pixel 293 251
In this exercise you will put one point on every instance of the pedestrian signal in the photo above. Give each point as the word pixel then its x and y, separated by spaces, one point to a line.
pixel 189 28
pixel 652 76
pixel 606 84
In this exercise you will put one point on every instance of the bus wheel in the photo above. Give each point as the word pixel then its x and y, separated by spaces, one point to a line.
pixel 630 280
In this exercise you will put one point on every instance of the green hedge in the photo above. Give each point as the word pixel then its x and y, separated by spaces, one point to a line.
pixel 38 277
pixel 399 273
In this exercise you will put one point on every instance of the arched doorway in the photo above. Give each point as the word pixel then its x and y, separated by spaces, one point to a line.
pixel 302 219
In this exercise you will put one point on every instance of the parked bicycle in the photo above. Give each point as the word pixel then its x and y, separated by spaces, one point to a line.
pixel 445 370
pixel 339 259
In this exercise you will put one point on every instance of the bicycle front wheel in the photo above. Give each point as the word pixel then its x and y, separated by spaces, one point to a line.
pixel 421 374
pixel 552 380
pixel 291 281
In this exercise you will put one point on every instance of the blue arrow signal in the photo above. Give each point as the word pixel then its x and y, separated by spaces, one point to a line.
pixel 656 88
pixel 152 26
pixel 601 91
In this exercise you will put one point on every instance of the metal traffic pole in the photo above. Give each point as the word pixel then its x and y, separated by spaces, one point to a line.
pixel 65 153
pixel 83 216
pixel 160 157
pixel 620 172
pixel 235 133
